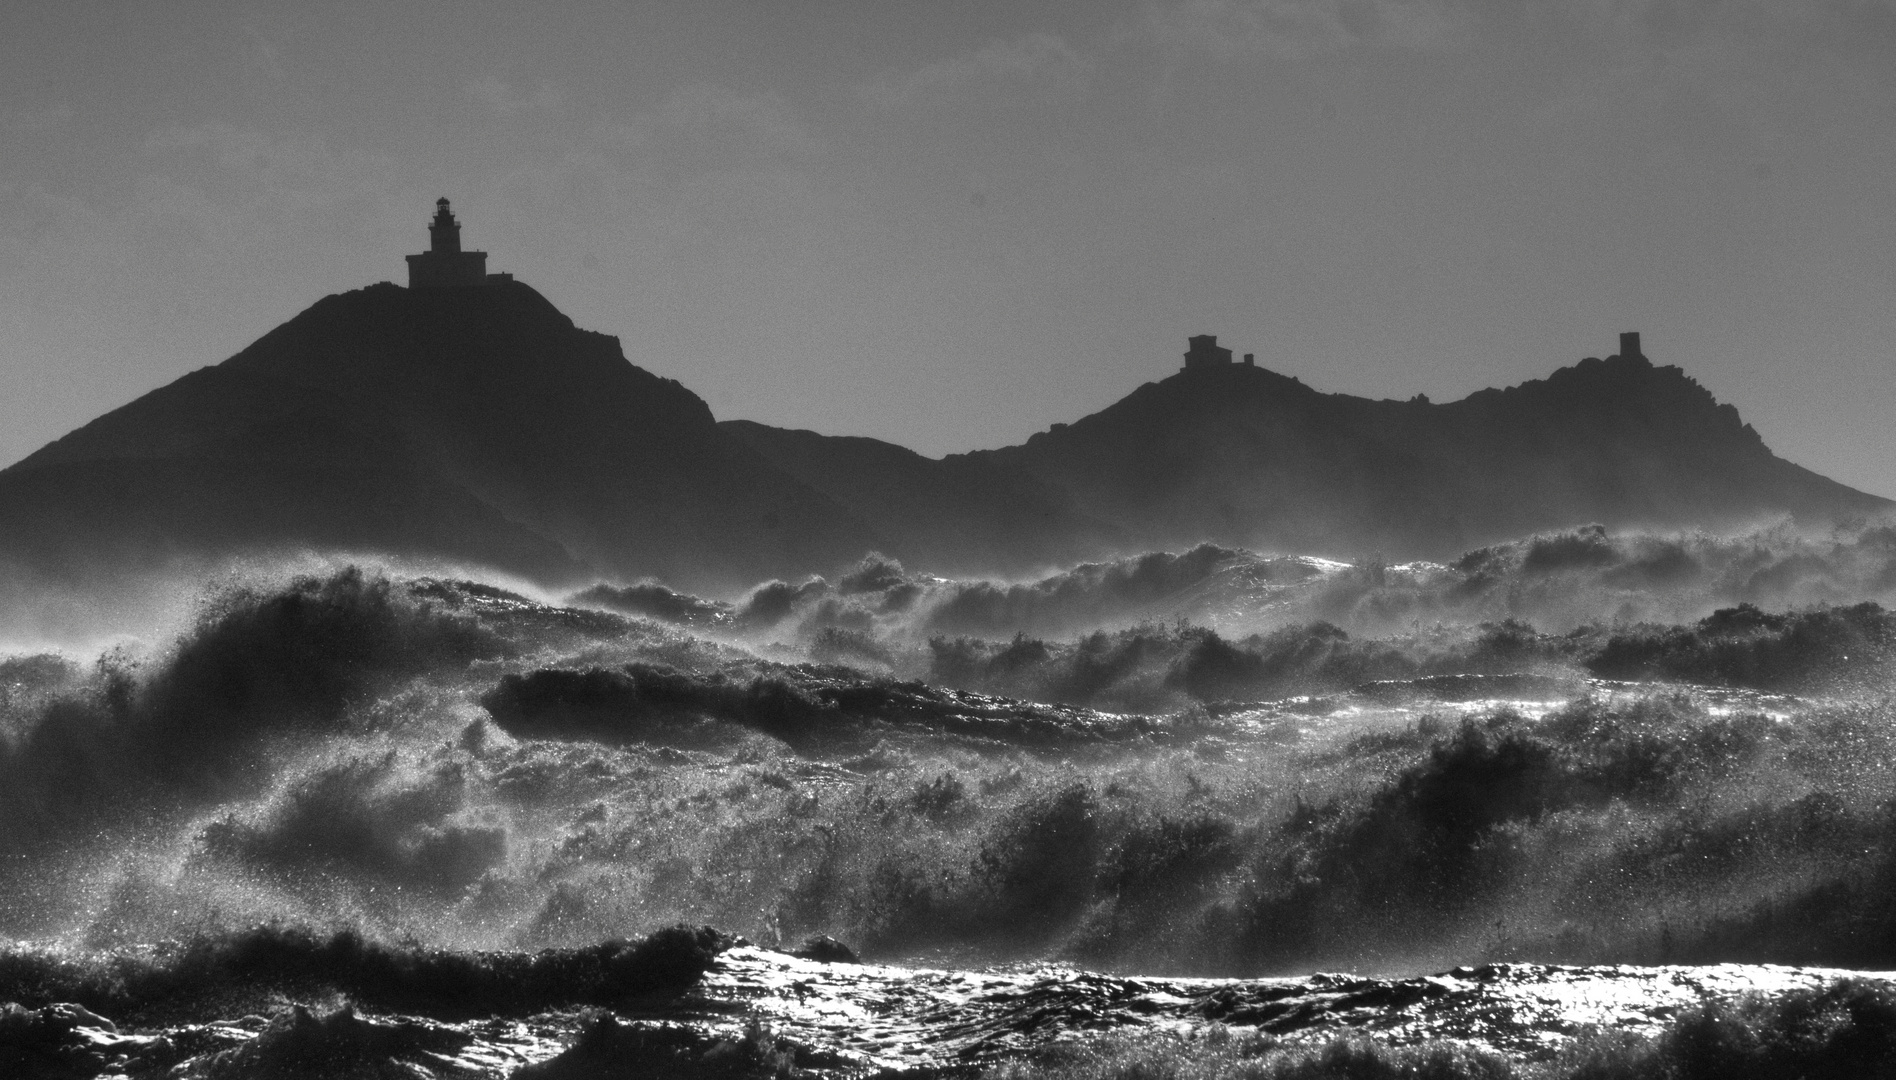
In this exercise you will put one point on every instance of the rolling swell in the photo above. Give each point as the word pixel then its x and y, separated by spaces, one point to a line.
pixel 1558 581
pixel 1162 668
pixel 1743 646
pixel 807 706
pixel 475 770
pixel 251 968
pixel 1155 633
pixel 1844 1030
pixel 760 1014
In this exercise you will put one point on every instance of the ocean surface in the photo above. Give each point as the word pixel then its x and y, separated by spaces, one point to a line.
pixel 1619 800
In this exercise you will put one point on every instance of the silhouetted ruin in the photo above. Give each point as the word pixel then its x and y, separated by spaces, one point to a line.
pixel 1206 352
pixel 444 264
pixel 1629 344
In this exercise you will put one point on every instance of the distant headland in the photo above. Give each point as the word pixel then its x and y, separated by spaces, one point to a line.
pixel 466 417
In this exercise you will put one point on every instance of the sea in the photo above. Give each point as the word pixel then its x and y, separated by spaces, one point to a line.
pixel 1580 804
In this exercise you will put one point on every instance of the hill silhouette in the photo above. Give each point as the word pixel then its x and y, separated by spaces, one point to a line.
pixel 1241 455
pixel 473 423
pixel 480 424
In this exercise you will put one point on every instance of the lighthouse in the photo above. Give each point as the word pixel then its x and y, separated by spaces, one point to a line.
pixel 444 265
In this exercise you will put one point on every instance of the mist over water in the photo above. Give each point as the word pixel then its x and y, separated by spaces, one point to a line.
pixel 1578 748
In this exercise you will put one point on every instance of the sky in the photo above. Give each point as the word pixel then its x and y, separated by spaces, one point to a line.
pixel 952 224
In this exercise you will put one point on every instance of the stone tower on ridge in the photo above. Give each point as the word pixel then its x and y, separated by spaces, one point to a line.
pixel 444 264
pixel 1206 352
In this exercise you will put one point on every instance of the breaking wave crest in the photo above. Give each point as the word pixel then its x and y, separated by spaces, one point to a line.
pixel 1845 1030
pixel 1556 581
pixel 257 667
pixel 461 765
pixel 251 968
pixel 360 788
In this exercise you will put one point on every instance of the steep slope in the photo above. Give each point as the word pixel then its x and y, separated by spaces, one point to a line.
pixel 473 423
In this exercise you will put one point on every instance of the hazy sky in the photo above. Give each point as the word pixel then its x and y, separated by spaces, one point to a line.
pixel 950 224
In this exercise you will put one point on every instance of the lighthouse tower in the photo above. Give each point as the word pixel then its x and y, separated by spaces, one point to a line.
pixel 444 264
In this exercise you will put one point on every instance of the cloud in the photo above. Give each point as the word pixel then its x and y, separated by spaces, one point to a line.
pixel 1298 29
pixel 765 120
pixel 262 55
pixel 217 205
pixel 1035 68
pixel 1041 68
pixel 110 292
pixel 705 164
pixel 305 167
pixel 1766 69
pixel 702 126
pixel 34 119
pixel 507 102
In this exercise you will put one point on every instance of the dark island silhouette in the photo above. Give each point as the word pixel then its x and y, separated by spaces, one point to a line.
pixel 464 417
